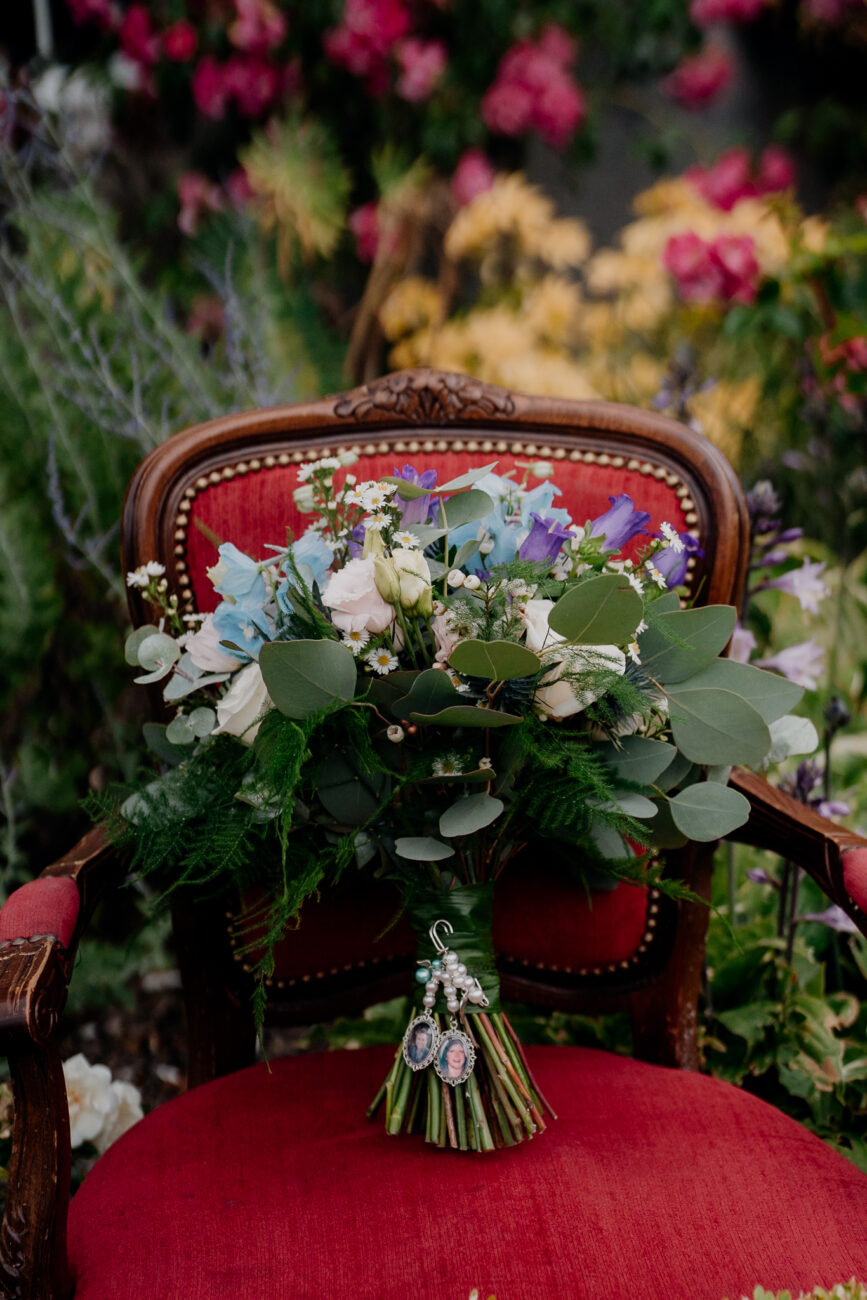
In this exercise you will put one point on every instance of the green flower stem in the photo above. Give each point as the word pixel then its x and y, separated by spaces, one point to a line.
pixel 484 1141
pixel 434 1108
pixel 510 1037
pixel 461 1117
pixel 500 1068
pixel 448 1111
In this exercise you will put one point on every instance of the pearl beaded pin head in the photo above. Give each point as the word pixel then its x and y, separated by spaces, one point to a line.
pixel 448 972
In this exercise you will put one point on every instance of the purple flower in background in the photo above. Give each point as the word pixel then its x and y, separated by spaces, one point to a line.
pixel 544 540
pixel 672 560
pixel 356 542
pixel 801 663
pixel 743 644
pixel 834 917
pixel 805 584
pixel 420 509
pixel 619 524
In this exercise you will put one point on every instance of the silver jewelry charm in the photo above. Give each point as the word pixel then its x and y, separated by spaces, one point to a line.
pixel 455 1058
pixel 452 1052
pixel 448 971
pixel 420 1042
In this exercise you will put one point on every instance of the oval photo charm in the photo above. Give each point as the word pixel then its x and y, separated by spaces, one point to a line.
pixel 420 1042
pixel 455 1057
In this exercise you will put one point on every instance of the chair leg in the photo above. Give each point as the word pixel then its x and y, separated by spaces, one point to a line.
pixel 33 1261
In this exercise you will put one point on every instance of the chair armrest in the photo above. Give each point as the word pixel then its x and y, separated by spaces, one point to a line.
pixel 40 924
pixel 836 858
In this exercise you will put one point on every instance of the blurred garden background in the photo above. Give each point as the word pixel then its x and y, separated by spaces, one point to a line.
pixel 208 205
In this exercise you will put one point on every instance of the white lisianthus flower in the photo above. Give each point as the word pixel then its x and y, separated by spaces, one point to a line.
pixel 129 1111
pixel 204 649
pixel 91 1101
pixel 304 499
pixel 354 600
pixel 559 697
pixel 240 711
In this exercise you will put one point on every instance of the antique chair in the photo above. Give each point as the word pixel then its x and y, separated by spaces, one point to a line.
pixel 658 1182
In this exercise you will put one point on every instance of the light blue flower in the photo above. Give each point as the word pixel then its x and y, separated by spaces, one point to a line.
pixel 242 623
pixel 241 579
pixel 311 551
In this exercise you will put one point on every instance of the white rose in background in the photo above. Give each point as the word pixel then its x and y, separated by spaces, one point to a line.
pixel 242 708
pixel 90 1098
pixel 128 1112
pixel 204 649
pixel 353 597
pixel 560 697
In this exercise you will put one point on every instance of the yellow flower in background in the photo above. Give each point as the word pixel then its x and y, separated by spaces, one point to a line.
pixel 514 211
pixel 566 243
pixel 814 234
pixel 552 308
pixel 542 371
pixel 412 304
pixel 726 411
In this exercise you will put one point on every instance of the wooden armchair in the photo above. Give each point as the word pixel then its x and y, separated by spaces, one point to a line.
pixel 654 1182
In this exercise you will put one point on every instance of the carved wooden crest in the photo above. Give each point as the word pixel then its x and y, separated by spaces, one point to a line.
pixel 425 397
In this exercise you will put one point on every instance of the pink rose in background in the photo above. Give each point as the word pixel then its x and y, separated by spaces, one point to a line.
pixel 102 12
pixel 204 649
pixel 725 269
pixel 364 37
pixel 138 40
pixel 830 11
pixel 733 176
pixel 238 188
pixel 422 64
pixel 473 175
pixel 534 90
pixel 252 82
pixel 180 41
pixel 699 79
pixel 364 224
pixel 705 12
pixel 355 602
pixel 209 88
pixel 258 28
pixel 444 637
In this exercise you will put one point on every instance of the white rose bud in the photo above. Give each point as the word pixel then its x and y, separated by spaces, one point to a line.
pixel 542 469
pixel 416 596
pixel 242 708
pixel 303 498
pixel 386 578
pixel 396 734
pixel 456 578
pixel 472 582
pixel 348 458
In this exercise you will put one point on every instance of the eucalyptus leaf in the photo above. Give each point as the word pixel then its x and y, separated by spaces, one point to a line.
pixel 601 611
pixel 304 677
pixel 134 640
pixel 179 731
pixel 202 722
pixel 683 642
pixel 708 811
pixel 770 695
pixel 662 833
pixel 676 773
pixel 609 842
pixel 422 848
pixel 426 533
pixel 156 676
pixel 155 738
pixel 464 552
pixel 470 814
pixel 407 491
pixel 464 509
pixel 345 793
pixel 496 661
pixel 634 804
pixel 466 715
pixel 638 759
pixel 384 692
pixel 157 651
pixel 791 735
pixel 467 480
pixel 430 692
pixel 714 726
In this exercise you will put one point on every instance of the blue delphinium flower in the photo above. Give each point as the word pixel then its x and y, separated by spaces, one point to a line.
pixel 620 523
pixel 312 551
pixel 240 577
pixel 544 540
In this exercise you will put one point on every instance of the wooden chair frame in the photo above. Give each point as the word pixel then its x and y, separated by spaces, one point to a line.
pixel 411 412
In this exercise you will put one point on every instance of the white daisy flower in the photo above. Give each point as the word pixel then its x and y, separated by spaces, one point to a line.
pixel 633 651
pixel 672 536
pixel 376 523
pixel 381 661
pixel 154 569
pixel 635 583
pixel 305 471
pixel 138 577
pixel 448 765
pixel 376 497
pixel 642 627
pixel 356 640
pixel 655 574
pixel 408 540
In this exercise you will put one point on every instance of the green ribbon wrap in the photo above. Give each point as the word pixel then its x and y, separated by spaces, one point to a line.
pixel 469 910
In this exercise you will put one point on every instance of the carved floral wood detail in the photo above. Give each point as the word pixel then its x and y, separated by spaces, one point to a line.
pixel 425 396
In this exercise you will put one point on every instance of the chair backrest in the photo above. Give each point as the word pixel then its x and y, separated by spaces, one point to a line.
pixel 232 479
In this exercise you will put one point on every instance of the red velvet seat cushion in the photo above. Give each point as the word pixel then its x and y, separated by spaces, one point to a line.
pixel 652 1183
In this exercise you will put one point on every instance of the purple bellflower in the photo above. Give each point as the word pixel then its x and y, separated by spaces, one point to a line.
pixel 672 560
pixel 544 540
pixel 420 509
pixel 619 524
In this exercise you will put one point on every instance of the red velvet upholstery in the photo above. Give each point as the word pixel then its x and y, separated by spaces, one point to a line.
pixel 564 927
pixel 48 905
pixel 255 510
pixel 855 876
pixel 652 1183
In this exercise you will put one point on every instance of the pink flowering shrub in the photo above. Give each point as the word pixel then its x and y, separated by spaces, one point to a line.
pixel 473 175
pixel 722 270
pixel 699 79
pixel 259 27
pixel 364 225
pixel 733 176
pixel 364 38
pixel 534 90
pixel 706 12
pixel 422 64
pixel 180 41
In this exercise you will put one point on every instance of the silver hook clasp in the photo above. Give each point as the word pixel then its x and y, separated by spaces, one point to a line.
pixel 434 937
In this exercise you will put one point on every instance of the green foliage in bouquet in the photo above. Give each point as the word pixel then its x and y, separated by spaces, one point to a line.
pixel 424 686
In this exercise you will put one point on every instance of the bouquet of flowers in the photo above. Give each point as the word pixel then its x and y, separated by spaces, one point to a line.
pixel 429 679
